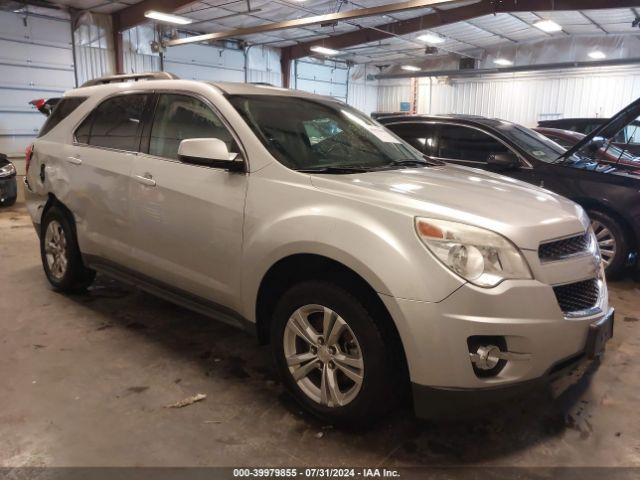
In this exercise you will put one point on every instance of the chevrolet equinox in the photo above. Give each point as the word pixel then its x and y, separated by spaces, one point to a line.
pixel 367 266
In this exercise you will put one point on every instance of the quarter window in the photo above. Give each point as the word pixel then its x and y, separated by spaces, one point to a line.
pixel 64 107
pixel 179 117
pixel 463 143
pixel 115 123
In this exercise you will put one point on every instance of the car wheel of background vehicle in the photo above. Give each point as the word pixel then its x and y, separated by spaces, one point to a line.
pixel 60 254
pixel 612 239
pixel 331 354
pixel 7 202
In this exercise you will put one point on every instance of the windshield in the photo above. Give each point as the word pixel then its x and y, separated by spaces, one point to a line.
pixel 532 142
pixel 321 135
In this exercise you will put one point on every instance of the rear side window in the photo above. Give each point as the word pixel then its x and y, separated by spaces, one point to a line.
pixel 116 123
pixel 64 107
pixel 179 117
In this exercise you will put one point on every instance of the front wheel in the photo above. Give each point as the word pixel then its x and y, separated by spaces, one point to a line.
pixel 331 354
pixel 60 254
pixel 612 240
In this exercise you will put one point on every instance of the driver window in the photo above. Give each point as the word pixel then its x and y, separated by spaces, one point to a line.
pixel 457 142
pixel 179 117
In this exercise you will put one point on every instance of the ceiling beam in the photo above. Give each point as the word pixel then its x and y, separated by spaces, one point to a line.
pixel 314 20
pixel 134 15
pixel 448 16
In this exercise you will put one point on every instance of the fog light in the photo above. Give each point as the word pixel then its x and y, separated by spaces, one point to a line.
pixel 486 357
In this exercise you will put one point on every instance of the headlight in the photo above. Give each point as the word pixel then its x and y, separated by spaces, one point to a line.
pixel 480 256
pixel 7 170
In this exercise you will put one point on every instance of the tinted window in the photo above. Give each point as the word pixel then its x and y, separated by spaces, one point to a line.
pixel 64 107
pixel 421 136
pixel 179 117
pixel 315 134
pixel 115 123
pixel 464 143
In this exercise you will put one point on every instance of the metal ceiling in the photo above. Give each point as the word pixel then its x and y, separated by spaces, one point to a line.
pixel 466 38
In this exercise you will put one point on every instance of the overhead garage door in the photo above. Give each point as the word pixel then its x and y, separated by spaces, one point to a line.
pixel 36 61
pixel 203 62
pixel 330 80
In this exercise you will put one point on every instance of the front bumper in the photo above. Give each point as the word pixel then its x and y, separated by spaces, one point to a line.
pixel 443 403
pixel 524 313
pixel 8 189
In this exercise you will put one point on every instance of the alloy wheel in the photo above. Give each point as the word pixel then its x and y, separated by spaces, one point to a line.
pixel 323 355
pixel 606 242
pixel 55 248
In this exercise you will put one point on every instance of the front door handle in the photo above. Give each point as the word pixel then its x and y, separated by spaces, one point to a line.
pixel 146 179
pixel 74 160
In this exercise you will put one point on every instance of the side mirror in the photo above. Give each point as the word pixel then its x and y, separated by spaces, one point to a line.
pixel 503 161
pixel 596 144
pixel 211 152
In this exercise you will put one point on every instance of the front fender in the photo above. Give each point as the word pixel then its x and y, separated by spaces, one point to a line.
pixel 379 245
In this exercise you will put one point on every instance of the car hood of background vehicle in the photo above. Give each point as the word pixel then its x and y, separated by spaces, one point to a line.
pixel 521 212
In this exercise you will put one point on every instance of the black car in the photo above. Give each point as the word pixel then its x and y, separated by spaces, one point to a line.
pixel 609 193
pixel 8 186
pixel 627 138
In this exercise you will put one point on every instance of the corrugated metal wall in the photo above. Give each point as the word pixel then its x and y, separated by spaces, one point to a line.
pixel 363 93
pixel 36 61
pixel 524 98
pixel 528 98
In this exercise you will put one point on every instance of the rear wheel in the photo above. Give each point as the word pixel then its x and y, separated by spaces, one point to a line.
pixel 331 354
pixel 60 254
pixel 612 240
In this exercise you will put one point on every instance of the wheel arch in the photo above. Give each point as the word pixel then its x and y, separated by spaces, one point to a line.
pixel 591 204
pixel 298 267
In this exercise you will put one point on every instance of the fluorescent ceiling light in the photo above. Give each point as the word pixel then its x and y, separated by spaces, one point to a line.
pixel 410 68
pixel 503 61
pixel 431 38
pixel 597 55
pixel 547 26
pixel 324 50
pixel 167 17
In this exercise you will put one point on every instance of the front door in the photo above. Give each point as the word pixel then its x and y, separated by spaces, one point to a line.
pixel 187 218
pixel 471 147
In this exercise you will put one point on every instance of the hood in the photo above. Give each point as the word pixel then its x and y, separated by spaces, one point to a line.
pixel 609 129
pixel 525 214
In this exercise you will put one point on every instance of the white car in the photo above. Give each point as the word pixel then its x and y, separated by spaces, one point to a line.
pixel 368 267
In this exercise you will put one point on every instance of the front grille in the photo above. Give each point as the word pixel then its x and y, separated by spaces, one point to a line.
pixel 578 296
pixel 558 249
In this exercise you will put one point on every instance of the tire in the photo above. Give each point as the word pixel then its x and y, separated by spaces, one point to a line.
pixel 613 241
pixel 60 254
pixel 7 202
pixel 348 403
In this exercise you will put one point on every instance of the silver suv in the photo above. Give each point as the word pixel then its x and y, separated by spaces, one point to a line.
pixel 368 267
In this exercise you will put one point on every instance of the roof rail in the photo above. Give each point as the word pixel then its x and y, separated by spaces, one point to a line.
pixel 130 77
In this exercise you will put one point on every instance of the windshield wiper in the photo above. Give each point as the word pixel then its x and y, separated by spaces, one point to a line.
pixel 409 163
pixel 335 169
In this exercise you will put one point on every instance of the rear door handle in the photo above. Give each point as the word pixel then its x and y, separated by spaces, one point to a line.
pixel 146 179
pixel 74 160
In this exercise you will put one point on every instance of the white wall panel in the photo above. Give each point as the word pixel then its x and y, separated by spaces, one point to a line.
pixel 391 93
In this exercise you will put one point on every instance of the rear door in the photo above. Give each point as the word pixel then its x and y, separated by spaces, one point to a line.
pixel 420 135
pixel 187 218
pixel 100 162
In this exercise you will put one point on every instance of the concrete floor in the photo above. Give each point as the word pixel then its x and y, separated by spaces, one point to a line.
pixel 84 380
